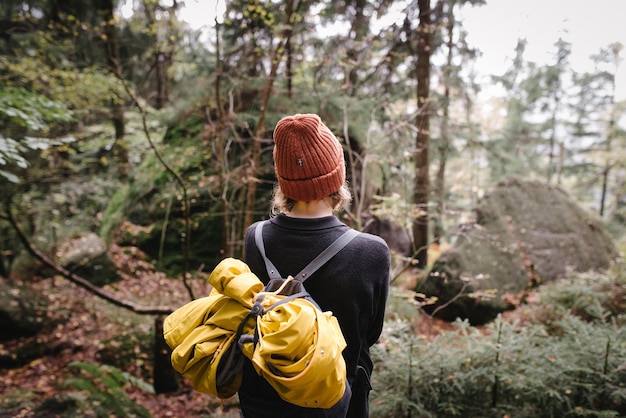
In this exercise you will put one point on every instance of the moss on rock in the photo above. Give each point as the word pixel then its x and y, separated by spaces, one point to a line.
pixel 525 233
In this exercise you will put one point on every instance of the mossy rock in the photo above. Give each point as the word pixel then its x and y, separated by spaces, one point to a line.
pixel 166 248
pixel 525 233
pixel 22 311
pixel 87 257
pixel 59 406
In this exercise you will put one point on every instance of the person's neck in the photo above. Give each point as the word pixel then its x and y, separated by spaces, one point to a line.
pixel 316 209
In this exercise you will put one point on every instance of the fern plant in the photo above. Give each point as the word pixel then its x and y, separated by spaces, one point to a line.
pixel 103 387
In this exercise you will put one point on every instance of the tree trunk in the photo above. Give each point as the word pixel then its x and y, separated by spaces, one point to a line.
pixel 277 55
pixel 359 29
pixel 289 56
pixel 559 165
pixel 220 148
pixel 607 165
pixel 161 80
pixel 164 59
pixel 605 182
pixel 105 10
pixel 561 67
pixel 4 271
pixel 611 134
pixel 444 142
pixel 165 378
pixel 357 157
pixel 422 124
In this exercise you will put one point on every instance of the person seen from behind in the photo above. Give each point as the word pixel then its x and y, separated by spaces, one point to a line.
pixel 353 285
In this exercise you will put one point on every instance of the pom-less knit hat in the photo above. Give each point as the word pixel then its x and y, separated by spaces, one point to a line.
pixel 308 158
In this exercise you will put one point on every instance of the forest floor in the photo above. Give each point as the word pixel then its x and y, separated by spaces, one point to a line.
pixel 84 322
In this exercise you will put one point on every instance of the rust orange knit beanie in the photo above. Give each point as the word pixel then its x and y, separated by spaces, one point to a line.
pixel 308 158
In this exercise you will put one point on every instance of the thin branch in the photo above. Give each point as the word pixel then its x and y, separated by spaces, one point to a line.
pixel 170 170
pixel 276 58
pixel 80 281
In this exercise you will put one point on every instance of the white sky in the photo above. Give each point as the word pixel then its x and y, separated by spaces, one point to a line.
pixel 588 25
pixel 495 28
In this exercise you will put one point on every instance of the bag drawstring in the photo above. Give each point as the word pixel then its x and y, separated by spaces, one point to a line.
pixel 258 310
pixel 261 295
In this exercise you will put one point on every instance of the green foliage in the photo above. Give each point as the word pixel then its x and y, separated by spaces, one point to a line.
pixel 10 153
pixel 104 389
pixel 87 90
pixel 183 129
pixel 401 305
pixel 31 111
pixel 568 359
pixel 24 114
pixel 114 213
pixel 591 296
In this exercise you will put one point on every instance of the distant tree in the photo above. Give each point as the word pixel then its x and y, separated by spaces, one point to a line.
pixel 535 116
pixel 277 54
pixel 611 56
pixel 514 151
pixel 250 30
pixel 423 51
pixel 593 154
pixel 164 32
pixel 455 89
pixel 69 57
pixel 554 92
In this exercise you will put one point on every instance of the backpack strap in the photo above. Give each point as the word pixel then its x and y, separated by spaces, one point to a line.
pixel 327 254
pixel 272 271
pixel 314 265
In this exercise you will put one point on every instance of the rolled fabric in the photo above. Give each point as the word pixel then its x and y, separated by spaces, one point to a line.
pixel 202 332
pixel 233 278
pixel 299 353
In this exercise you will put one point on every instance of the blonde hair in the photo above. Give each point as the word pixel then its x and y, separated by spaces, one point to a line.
pixel 338 200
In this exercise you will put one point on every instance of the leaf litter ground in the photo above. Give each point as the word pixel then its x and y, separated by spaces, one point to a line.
pixel 84 322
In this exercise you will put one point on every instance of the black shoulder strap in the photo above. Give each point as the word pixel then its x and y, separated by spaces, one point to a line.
pixel 312 267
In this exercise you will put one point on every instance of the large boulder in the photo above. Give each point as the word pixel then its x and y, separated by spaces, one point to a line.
pixel 524 233
pixel 87 257
pixel 396 237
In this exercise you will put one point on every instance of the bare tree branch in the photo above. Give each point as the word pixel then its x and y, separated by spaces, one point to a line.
pixel 276 58
pixel 179 179
pixel 76 279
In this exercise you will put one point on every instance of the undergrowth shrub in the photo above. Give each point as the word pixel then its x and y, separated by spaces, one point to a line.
pixel 102 391
pixel 566 358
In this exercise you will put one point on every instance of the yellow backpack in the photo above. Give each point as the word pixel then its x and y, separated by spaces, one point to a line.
pixel 295 346
pixel 298 347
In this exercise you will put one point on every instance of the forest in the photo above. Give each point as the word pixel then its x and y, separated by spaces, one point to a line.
pixel 136 149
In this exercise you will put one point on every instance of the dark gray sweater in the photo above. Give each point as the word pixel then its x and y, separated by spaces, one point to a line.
pixel 353 285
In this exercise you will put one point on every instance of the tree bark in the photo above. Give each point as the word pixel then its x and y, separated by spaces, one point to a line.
pixel 165 378
pixel 161 80
pixel 105 10
pixel 611 134
pixel 289 54
pixel 358 30
pixel 259 131
pixel 444 142
pixel 422 124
